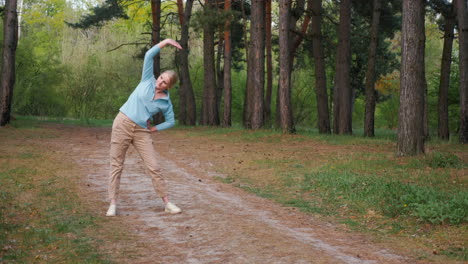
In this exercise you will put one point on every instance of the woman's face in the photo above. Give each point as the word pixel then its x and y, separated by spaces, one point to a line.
pixel 162 83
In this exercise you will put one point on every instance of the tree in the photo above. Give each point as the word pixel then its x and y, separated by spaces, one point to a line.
pixel 284 91
pixel 256 62
pixel 269 62
pixel 320 75
pixel 187 106
pixel 155 38
pixel 342 96
pixel 443 124
pixel 411 122
pixel 371 94
pixel 447 23
pixel 100 14
pixel 10 42
pixel 209 107
pixel 227 68
pixel 462 16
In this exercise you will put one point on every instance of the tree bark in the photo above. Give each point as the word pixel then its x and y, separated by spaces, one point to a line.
pixel 300 32
pixel 257 59
pixel 155 39
pixel 342 94
pixel 210 111
pixel 227 69
pixel 284 91
pixel 246 113
pixel 269 61
pixel 187 108
pixel 443 128
pixel 320 75
pixel 10 42
pixel 180 11
pixel 219 69
pixel 370 73
pixel 411 113
pixel 462 15
pixel 295 38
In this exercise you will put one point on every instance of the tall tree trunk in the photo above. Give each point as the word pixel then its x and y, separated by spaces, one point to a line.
pixel 180 11
pixel 257 60
pixel 443 130
pixel 462 15
pixel 10 42
pixel 227 68
pixel 370 73
pixel 246 114
pixel 299 32
pixel 284 93
pixel 343 92
pixel 156 33
pixel 187 108
pixel 269 61
pixel 210 110
pixel 155 38
pixel 320 76
pixel 219 69
pixel 411 121
pixel 295 38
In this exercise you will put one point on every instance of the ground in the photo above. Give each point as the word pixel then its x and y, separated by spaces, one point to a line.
pixel 219 223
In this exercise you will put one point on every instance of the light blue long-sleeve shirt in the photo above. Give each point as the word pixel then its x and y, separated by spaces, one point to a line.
pixel 140 106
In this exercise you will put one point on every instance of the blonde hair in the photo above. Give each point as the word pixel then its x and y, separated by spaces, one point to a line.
pixel 173 78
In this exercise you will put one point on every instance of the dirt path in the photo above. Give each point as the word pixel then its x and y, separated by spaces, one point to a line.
pixel 219 223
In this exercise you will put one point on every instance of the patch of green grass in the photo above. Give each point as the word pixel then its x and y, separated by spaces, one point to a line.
pixel 382 136
pixel 458 253
pixel 227 180
pixel 391 198
pixel 438 159
pixel 30 234
pixel 34 121
pixel 41 217
pixel 262 192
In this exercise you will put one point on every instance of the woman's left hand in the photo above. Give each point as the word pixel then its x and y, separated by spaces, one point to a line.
pixel 148 125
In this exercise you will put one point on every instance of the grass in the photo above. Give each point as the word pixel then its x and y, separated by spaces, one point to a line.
pixel 42 219
pixel 353 180
pixel 33 121
pixel 416 203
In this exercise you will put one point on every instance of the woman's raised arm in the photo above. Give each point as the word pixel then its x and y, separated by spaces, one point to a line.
pixel 147 71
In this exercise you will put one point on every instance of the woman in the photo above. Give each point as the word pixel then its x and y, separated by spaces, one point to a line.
pixel 132 126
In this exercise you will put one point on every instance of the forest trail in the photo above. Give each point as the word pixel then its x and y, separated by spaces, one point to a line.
pixel 219 223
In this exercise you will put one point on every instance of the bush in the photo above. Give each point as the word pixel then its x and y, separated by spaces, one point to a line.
pixel 443 160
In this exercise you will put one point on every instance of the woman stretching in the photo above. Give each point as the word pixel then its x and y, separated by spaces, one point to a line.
pixel 132 126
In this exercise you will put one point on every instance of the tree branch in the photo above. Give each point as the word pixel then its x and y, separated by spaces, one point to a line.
pixel 126 44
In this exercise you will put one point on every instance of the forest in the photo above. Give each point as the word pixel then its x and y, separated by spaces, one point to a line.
pixel 307 131
pixel 341 67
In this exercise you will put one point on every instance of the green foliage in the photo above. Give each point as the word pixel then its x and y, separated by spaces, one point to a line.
pixel 425 203
pixel 110 9
pixel 37 80
pixel 438 159
pixel 70 73
pixel 386 113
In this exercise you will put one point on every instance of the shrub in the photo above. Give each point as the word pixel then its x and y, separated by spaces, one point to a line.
pixel 443 160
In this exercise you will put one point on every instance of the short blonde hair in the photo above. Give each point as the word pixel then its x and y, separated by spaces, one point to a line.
pixel 173 78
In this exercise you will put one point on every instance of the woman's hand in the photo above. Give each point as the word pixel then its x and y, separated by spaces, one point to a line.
pixel 171 42
pixel 148 125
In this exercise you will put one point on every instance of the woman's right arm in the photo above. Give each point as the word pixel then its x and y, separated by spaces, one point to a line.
pixel 148 62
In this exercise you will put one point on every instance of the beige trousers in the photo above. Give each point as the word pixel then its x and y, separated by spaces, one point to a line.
pixel 124 133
